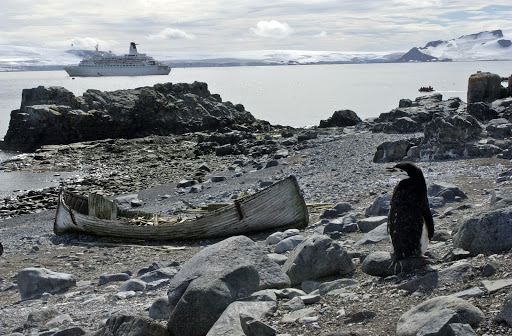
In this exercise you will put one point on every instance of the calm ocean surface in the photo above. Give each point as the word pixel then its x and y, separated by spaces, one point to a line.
pixel 286 95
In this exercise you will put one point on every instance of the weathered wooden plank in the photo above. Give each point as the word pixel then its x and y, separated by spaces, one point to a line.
pixel 101 207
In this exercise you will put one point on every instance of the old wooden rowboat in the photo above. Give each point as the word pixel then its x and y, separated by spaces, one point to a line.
pixel 280 205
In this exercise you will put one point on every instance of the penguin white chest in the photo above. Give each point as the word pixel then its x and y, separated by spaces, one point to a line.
pixel 424 239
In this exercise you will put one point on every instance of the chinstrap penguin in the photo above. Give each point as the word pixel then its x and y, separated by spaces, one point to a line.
pixel 410 222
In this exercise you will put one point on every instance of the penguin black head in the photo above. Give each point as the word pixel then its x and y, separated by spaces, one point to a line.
pixel 410 168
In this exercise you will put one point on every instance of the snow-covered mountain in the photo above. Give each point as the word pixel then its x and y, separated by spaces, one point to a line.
pixel 487 45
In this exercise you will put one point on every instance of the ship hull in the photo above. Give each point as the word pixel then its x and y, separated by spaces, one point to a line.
pixel 78 71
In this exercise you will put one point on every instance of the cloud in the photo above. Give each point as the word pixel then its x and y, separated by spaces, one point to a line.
pixel 322 34
pixel 172 34
pixel 272 29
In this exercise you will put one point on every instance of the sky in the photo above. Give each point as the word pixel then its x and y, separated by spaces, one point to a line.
pixel 242 25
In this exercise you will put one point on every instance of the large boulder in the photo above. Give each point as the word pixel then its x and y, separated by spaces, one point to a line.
pixel 483 87
pixel 206 298
pixel 341 118
pixel 55 116
pixel 221 258
pixel 33 282
pixel 452 137
pixel 317 257
pixel 391 151
pixel 487 233
pixel 430 311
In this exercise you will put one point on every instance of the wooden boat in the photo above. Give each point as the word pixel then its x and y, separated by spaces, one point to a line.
pixel 280 205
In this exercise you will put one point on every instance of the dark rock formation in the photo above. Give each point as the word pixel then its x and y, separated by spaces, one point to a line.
pixel 415 55
pixel 341 118
pixel 484 87
pixel 55 116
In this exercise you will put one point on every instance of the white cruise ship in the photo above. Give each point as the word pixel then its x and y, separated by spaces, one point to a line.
pixel 108 64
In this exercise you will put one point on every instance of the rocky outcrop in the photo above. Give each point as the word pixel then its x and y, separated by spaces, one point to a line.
pixel 341 118
pixel 484 87
pixel 53 115
pixel 451 129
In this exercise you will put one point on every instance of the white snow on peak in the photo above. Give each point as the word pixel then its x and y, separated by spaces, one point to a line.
pixel 475 47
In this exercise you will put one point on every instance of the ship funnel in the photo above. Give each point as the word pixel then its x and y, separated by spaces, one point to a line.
pixel 133 49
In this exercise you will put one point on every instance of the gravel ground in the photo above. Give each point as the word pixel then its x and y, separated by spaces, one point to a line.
pixel 335 167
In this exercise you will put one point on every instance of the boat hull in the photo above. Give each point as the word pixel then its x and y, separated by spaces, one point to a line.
pixel 78 71
pixel 281 205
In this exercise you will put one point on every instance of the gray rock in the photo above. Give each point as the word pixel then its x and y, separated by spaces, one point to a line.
pixel 438 323
pixel 288 244
pixel 281 153
pixel 307 135
pixel 185 183
pixel 488 233
pixel 391 151
pixel 447 191
pixel 492 286
pixel 376 235
pixel 310 299
pixel 341 118
pixel 459 329
pixel 135 285
pixel 298 314
pixel 106 278
pixel 254 327
pixel 450 275
pixel 272 163
pixel 262 295
pixel 160 309
pixel 471 292
pixel 326 287
pixel 159 274
pixel 505 315
pixel 206 298
pixel 341 225
pixel 33 282
pixel 380 263
pixel 498 195
pixel 336 210
pixel 73 331
pixel 125 201
pixel 317 257
pixel 367 224
pixel 40 317
pixel 294 304
pixel 239 250
pixel 379 207
pixel 289 293
pixel 229 322
pixel 59 320
pixel 276 237
pixel 412 321
pixel 131 325
pixel 218 178
pixel 277 258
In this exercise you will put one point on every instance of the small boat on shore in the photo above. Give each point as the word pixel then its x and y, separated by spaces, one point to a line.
pixel 278 206
pixel 426 89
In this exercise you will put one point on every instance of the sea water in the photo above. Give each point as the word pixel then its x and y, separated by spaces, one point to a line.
pixel 294 95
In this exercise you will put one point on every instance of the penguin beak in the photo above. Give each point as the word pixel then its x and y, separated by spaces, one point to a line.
pixel 402 174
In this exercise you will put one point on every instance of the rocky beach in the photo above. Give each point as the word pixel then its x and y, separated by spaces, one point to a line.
pixel 178 145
